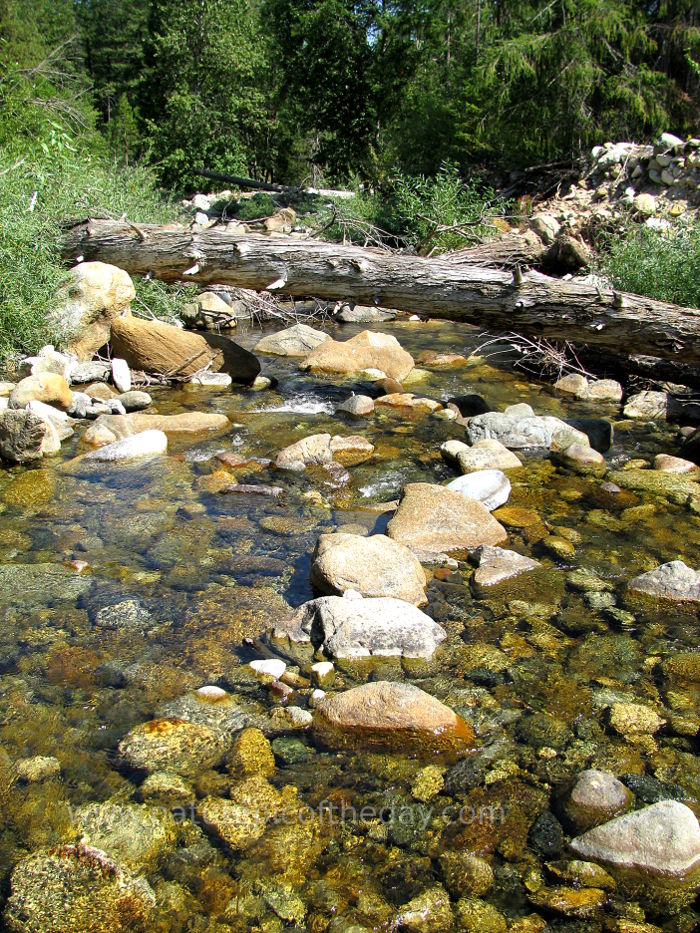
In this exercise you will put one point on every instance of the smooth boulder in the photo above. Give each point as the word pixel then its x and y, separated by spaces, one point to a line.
pixel 96 295
pixel 372 566
pixel 364 314
pixel 49 388
pixel 367 350
pixel 298 340
pixel 355 627
pixel 673 581
pixel 323 449
pixel 143 444
pixel 490 487
pixel 431 519
pixel 394 716
pixel 518 427
pixel 156 347
pixel 108 428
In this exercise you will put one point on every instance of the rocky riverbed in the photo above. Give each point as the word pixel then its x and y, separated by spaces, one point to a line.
pixel 336 654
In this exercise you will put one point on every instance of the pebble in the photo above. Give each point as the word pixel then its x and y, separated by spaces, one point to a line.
pixel 268 668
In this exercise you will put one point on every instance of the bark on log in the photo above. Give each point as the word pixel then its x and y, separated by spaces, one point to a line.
pixel 506 252
pixel 245 182
pixel 492 299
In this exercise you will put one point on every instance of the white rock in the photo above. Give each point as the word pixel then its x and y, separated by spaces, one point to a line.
pixel 211 693
pixel 201 202
pixel 59 419
pixel 201 218
pixel 222 380
pixel 144 444
pixel 322 668
pixel 669 141
pixel 268 668
pixel 121 375
pixel 490 487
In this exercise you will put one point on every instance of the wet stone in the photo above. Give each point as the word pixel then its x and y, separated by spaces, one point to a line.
pixel 596 798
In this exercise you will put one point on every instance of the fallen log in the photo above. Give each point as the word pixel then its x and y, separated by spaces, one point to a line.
pixel 506 252
pixel 242 182
pixel 493 299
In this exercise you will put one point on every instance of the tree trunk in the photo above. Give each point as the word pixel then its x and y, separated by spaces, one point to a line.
pixel 493 299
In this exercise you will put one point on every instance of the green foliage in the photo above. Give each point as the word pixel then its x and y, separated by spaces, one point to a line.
pixel 662 265
pixel 53 167
pixel 162 300
pixel 259 205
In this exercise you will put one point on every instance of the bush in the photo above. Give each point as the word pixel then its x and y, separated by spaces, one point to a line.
pixel 658 264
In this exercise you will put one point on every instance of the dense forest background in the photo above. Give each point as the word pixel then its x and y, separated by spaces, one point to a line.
pixel 327 90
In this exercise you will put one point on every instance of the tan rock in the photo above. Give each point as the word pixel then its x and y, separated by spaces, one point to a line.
pixel 634 719
pixel 433 519
pixel 351 450
pixel 121 426
pixel 582 459
pixel 668 464
pixel 408 400
pixel 487 454
pixel 389 715
pixel 44 387
pixel 97 294
pixel 367 350
pixel 374 566
pixel 156 347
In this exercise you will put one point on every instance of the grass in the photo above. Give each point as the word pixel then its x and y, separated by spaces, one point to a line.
pixel 657 264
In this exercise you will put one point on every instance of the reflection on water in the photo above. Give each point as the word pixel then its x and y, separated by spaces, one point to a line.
pixel 179 575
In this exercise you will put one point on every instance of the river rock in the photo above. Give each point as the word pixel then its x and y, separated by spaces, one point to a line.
pixel 44 387
pixel 298 340
pixel 631 719
pixel 582 459
pixel 121 374
pixel 37 769
pixel 171 744
pixel 358 406
pixel 490 487
pixel 354 627
pixel 48 360
pixel 487 454
pixel 135 400
pixel 322 449
pixel 408 400
pixel 96 295
pixel 77 888
pixel 364 314
pixel 431 519
pixel 668 464
pixel 59 419
pixel 109 427
pixel 428 912
pixel 599 390
pixel 32 586
pixel 519 427
pixel 662 839
pixel 156 347
pixel 673 581
pixel 351 450
pixel 22 436
pixel 599 431
pixel 389 715
pixel 143 444
pixel 495 565
pixel 233 823
pixel 136 835
pixel 651 406
pixel 371 566
pixel 451 449
pixel 597 797
pixel 367 350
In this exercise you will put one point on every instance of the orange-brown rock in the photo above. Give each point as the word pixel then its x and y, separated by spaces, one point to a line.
pixel 367 350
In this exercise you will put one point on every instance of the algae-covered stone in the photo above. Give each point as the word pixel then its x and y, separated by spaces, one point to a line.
pixel 170 744
pixel 232 823
pixel 251 754
pixel 36 585
pixel 78 889
pixel 136 835
pixel 477 916
pixel 429 912
pixel 634 719
pixel 673 581
pixel 465 874
pixel 428 783
pixel 30 490
pixel 677 487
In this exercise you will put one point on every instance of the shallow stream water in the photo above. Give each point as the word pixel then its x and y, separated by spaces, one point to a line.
pixel 179 574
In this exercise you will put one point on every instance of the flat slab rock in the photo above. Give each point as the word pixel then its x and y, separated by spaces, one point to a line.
pixel 496 565
pixel 390 715
pixel 661 839
pixel 298 340
pixel 373 566
pixel 367 350
pixel 322 449
pixel 518 427
pixel 673 581
pixel 490 487
pixel 143 444
pixel 437 520
pixel 353 627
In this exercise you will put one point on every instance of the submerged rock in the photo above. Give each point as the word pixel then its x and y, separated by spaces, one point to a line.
pixel 367 350
pixel 519 427
pixel 353 627
pixel 372 566
pixel 431 519
pixel 170 744
pixel 596 797
pixel 662 839
pixel 391 716
pixel 36 585
pixel 136 835
pixel 298 340
pixel 674 581
pixel 120 426
pixel 428 912
pixel 490 487
pixel 495 565
pixel 77 888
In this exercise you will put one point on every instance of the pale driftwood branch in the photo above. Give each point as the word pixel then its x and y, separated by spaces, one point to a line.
pixel 488 298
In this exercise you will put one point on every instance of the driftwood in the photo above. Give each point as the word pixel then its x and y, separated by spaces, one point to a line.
pixel 245 182
pixel 492 299
pixel 506 252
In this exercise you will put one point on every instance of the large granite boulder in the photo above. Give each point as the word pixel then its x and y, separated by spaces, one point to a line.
pixel 434 520
pixel 518 427
pixel 373 566
pixel 298 340
pixel 367 350
pixel 673 581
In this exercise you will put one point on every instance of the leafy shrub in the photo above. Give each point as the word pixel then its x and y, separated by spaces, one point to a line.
pixel 658 264
pixel 260 205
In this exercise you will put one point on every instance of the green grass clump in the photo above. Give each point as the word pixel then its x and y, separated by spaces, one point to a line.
pixel 657 264
pixel 259 205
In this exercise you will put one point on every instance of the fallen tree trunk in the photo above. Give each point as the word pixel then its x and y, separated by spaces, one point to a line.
pixel 492 299
pixel 242 182
pixel 506 252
